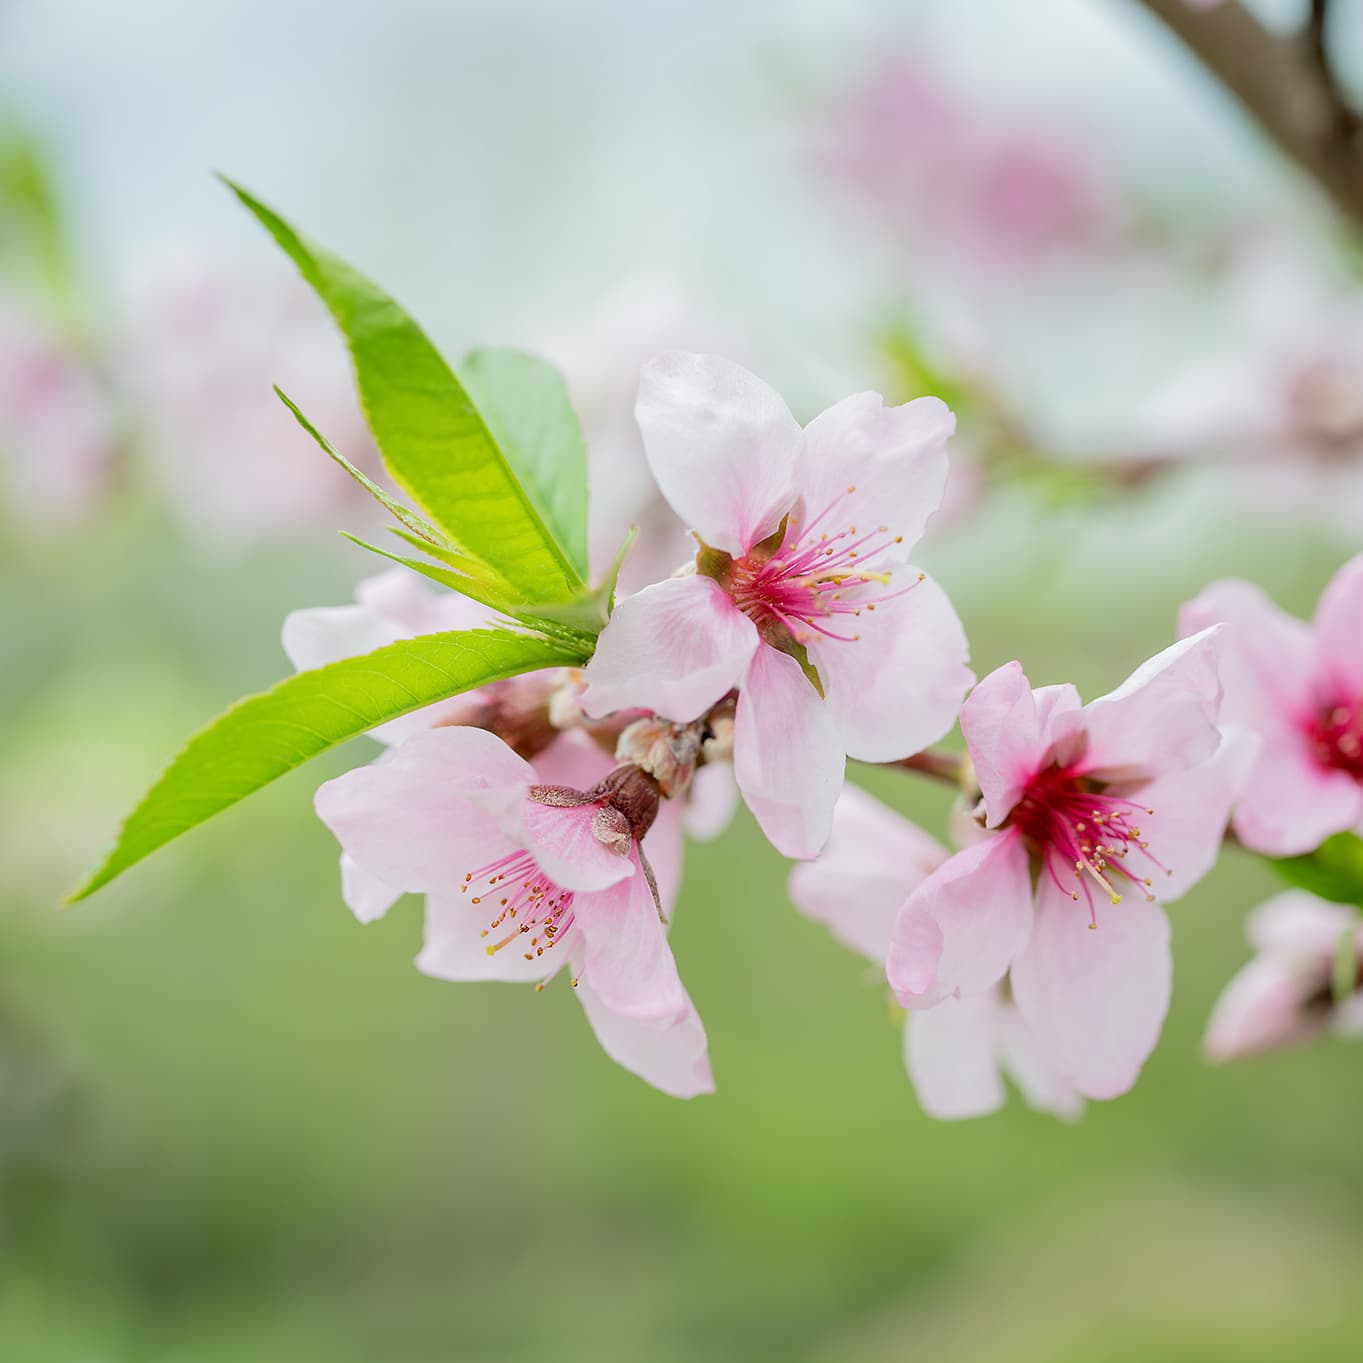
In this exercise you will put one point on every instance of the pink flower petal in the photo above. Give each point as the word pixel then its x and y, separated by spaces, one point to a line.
pixel 325 634
pixel 1299 924
pixel 899 685
pixel 952 1055
pixel 413 820
pixel 1162 717
pixel 711 801
pixel 1001 729
pixel 722 445
pixel 574 760
pixel 624 951
pixel 1339 630
pixel 1262 1008
pixel 1267 661
pixel 873 860
pixel 672 1056
pixel 1095 998
pixel 1028 1066
pixel 893 457
pixel 664 848
pixel 788 759
pixel 981 901
pixel 1191 811
pixel 566 848
pixel 1291 804
pixel 365 895
pixel 1060 718
pixel 674 648
pixel 402 597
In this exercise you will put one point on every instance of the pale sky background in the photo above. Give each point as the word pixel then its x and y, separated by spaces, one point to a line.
pixel 502 166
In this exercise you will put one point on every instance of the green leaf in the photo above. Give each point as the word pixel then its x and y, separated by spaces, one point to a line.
pixel 1333 871
pixel 485 585
pixel 32 240
pixel 423 530
pixel 579 634
pixel 434 441
pixel 265 736
pixel 525 401
pixel 592 610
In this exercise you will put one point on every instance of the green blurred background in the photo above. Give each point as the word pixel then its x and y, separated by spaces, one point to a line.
pixel 236 1125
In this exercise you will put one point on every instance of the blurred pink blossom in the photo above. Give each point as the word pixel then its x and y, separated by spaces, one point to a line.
pixel 957 1053
pixel 58 426
pixel 1282 398
pixel 1286 993
pixel 944 177
pixel 201 347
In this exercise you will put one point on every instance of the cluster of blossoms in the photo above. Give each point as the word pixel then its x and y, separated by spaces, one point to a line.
pixel 543 817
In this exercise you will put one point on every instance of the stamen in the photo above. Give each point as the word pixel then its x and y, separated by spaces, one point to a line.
pixel 533 902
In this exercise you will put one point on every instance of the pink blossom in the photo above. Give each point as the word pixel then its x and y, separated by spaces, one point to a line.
pixel 802 597
pixel 1088 816
pixel 1300 688
pixel 955 1053
pixel 941 175
pixel 202 347
pixel 58 435
pixel 1286 993
pixel 525 874
pixel 1281 397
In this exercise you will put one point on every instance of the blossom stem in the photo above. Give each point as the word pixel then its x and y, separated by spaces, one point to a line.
pixel 945 767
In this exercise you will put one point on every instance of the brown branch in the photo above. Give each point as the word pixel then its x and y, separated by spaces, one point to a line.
pixel 941 766
pixel 1286 84
pixel 1317 40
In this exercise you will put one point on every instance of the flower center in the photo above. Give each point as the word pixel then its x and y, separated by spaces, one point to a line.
pixel 1336 737
pixel 538 912
pixel 796 582
pixel 1079 830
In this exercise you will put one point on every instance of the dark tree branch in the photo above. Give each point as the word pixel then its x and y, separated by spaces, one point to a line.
pixel 1287 84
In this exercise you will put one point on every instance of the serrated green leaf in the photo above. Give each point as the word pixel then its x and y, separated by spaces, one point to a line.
pixel 493 590
pixel 422 530
pixel 580 635
pixel 434 441
pixel 265 736
pixel 525 401
pixel 592 611
pixel 1333 871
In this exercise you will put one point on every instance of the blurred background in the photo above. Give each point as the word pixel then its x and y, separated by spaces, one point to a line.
pixel 236 1125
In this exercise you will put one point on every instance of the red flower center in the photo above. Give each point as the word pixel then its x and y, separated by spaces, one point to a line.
pixel 1336 737
pixel 812 573
pixel 1081 832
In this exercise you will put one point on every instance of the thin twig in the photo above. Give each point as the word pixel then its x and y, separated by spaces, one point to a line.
pixel 940 766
